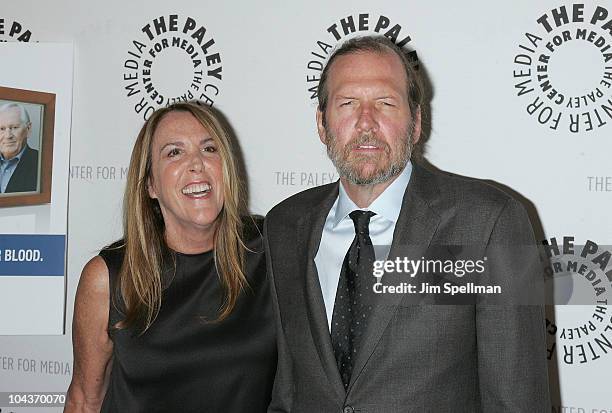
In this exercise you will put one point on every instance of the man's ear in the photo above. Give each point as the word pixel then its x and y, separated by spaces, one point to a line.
pixel 416 130
pixel 321 127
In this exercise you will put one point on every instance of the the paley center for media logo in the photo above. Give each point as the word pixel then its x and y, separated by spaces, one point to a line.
pixel 14 31
pixel 174 58
pixel 562 68
pixel 344 28
pixel 579 274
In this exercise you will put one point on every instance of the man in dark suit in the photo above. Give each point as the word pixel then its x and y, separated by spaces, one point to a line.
pixel 18 162
pixel 343 348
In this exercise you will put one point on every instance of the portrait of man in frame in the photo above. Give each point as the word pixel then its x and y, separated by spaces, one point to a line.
pixel 26 146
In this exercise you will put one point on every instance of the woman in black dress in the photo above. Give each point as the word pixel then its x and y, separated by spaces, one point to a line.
pixel 177 317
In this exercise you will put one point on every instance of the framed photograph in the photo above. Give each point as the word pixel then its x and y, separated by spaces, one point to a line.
pixel 26 146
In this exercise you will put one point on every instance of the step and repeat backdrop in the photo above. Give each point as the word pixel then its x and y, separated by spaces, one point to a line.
pixel 520 94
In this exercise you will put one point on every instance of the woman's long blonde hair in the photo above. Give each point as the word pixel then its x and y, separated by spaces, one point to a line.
pixel 146 251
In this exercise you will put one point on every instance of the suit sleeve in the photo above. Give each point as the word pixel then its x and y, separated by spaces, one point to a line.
pixel 282 391
pixel 512 368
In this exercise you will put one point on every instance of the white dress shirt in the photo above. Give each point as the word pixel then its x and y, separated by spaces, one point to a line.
pixel 339 231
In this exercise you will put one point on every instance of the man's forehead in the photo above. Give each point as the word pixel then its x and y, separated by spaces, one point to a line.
pixel 367 66
pixel 10 113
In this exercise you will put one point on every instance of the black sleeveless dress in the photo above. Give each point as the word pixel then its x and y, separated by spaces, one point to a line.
pixel 183 363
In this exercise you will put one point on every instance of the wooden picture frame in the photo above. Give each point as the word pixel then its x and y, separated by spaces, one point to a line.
pixel 42 106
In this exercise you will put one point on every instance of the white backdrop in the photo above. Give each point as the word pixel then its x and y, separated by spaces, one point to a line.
pixel 473 53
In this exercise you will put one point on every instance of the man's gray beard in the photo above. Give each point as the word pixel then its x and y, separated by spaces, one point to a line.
pixel 352 174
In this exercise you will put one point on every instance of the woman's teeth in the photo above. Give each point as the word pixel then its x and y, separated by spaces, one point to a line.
pixel 196 189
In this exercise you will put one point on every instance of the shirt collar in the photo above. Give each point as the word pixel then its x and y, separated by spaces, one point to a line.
pixel 14 158
pixel 387 205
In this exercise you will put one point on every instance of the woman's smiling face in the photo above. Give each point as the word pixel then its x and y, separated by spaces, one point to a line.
pixel 186 174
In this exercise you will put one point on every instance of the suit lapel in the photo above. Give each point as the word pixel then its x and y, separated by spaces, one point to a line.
pixel 414 230
pixel 25 175
pixel 310 229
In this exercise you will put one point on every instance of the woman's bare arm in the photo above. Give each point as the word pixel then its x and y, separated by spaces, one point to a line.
pixel 92 346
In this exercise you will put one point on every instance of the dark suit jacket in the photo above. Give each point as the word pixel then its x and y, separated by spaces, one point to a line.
pixel 414 358
pixel 25 176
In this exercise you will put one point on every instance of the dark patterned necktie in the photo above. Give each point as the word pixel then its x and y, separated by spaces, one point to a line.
pixel 351 308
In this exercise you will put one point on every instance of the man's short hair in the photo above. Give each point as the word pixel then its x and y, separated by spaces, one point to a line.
pixel 24 116
pixel 376 44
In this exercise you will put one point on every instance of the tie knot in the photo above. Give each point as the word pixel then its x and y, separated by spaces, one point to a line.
pixel 361 219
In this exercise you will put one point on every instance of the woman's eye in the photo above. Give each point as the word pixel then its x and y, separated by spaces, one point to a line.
pixel 173 152
pixel 210 149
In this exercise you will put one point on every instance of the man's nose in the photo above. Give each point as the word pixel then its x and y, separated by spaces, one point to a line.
pixel 367 119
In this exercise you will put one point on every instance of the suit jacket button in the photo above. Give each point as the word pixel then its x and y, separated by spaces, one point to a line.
pixel 348 409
